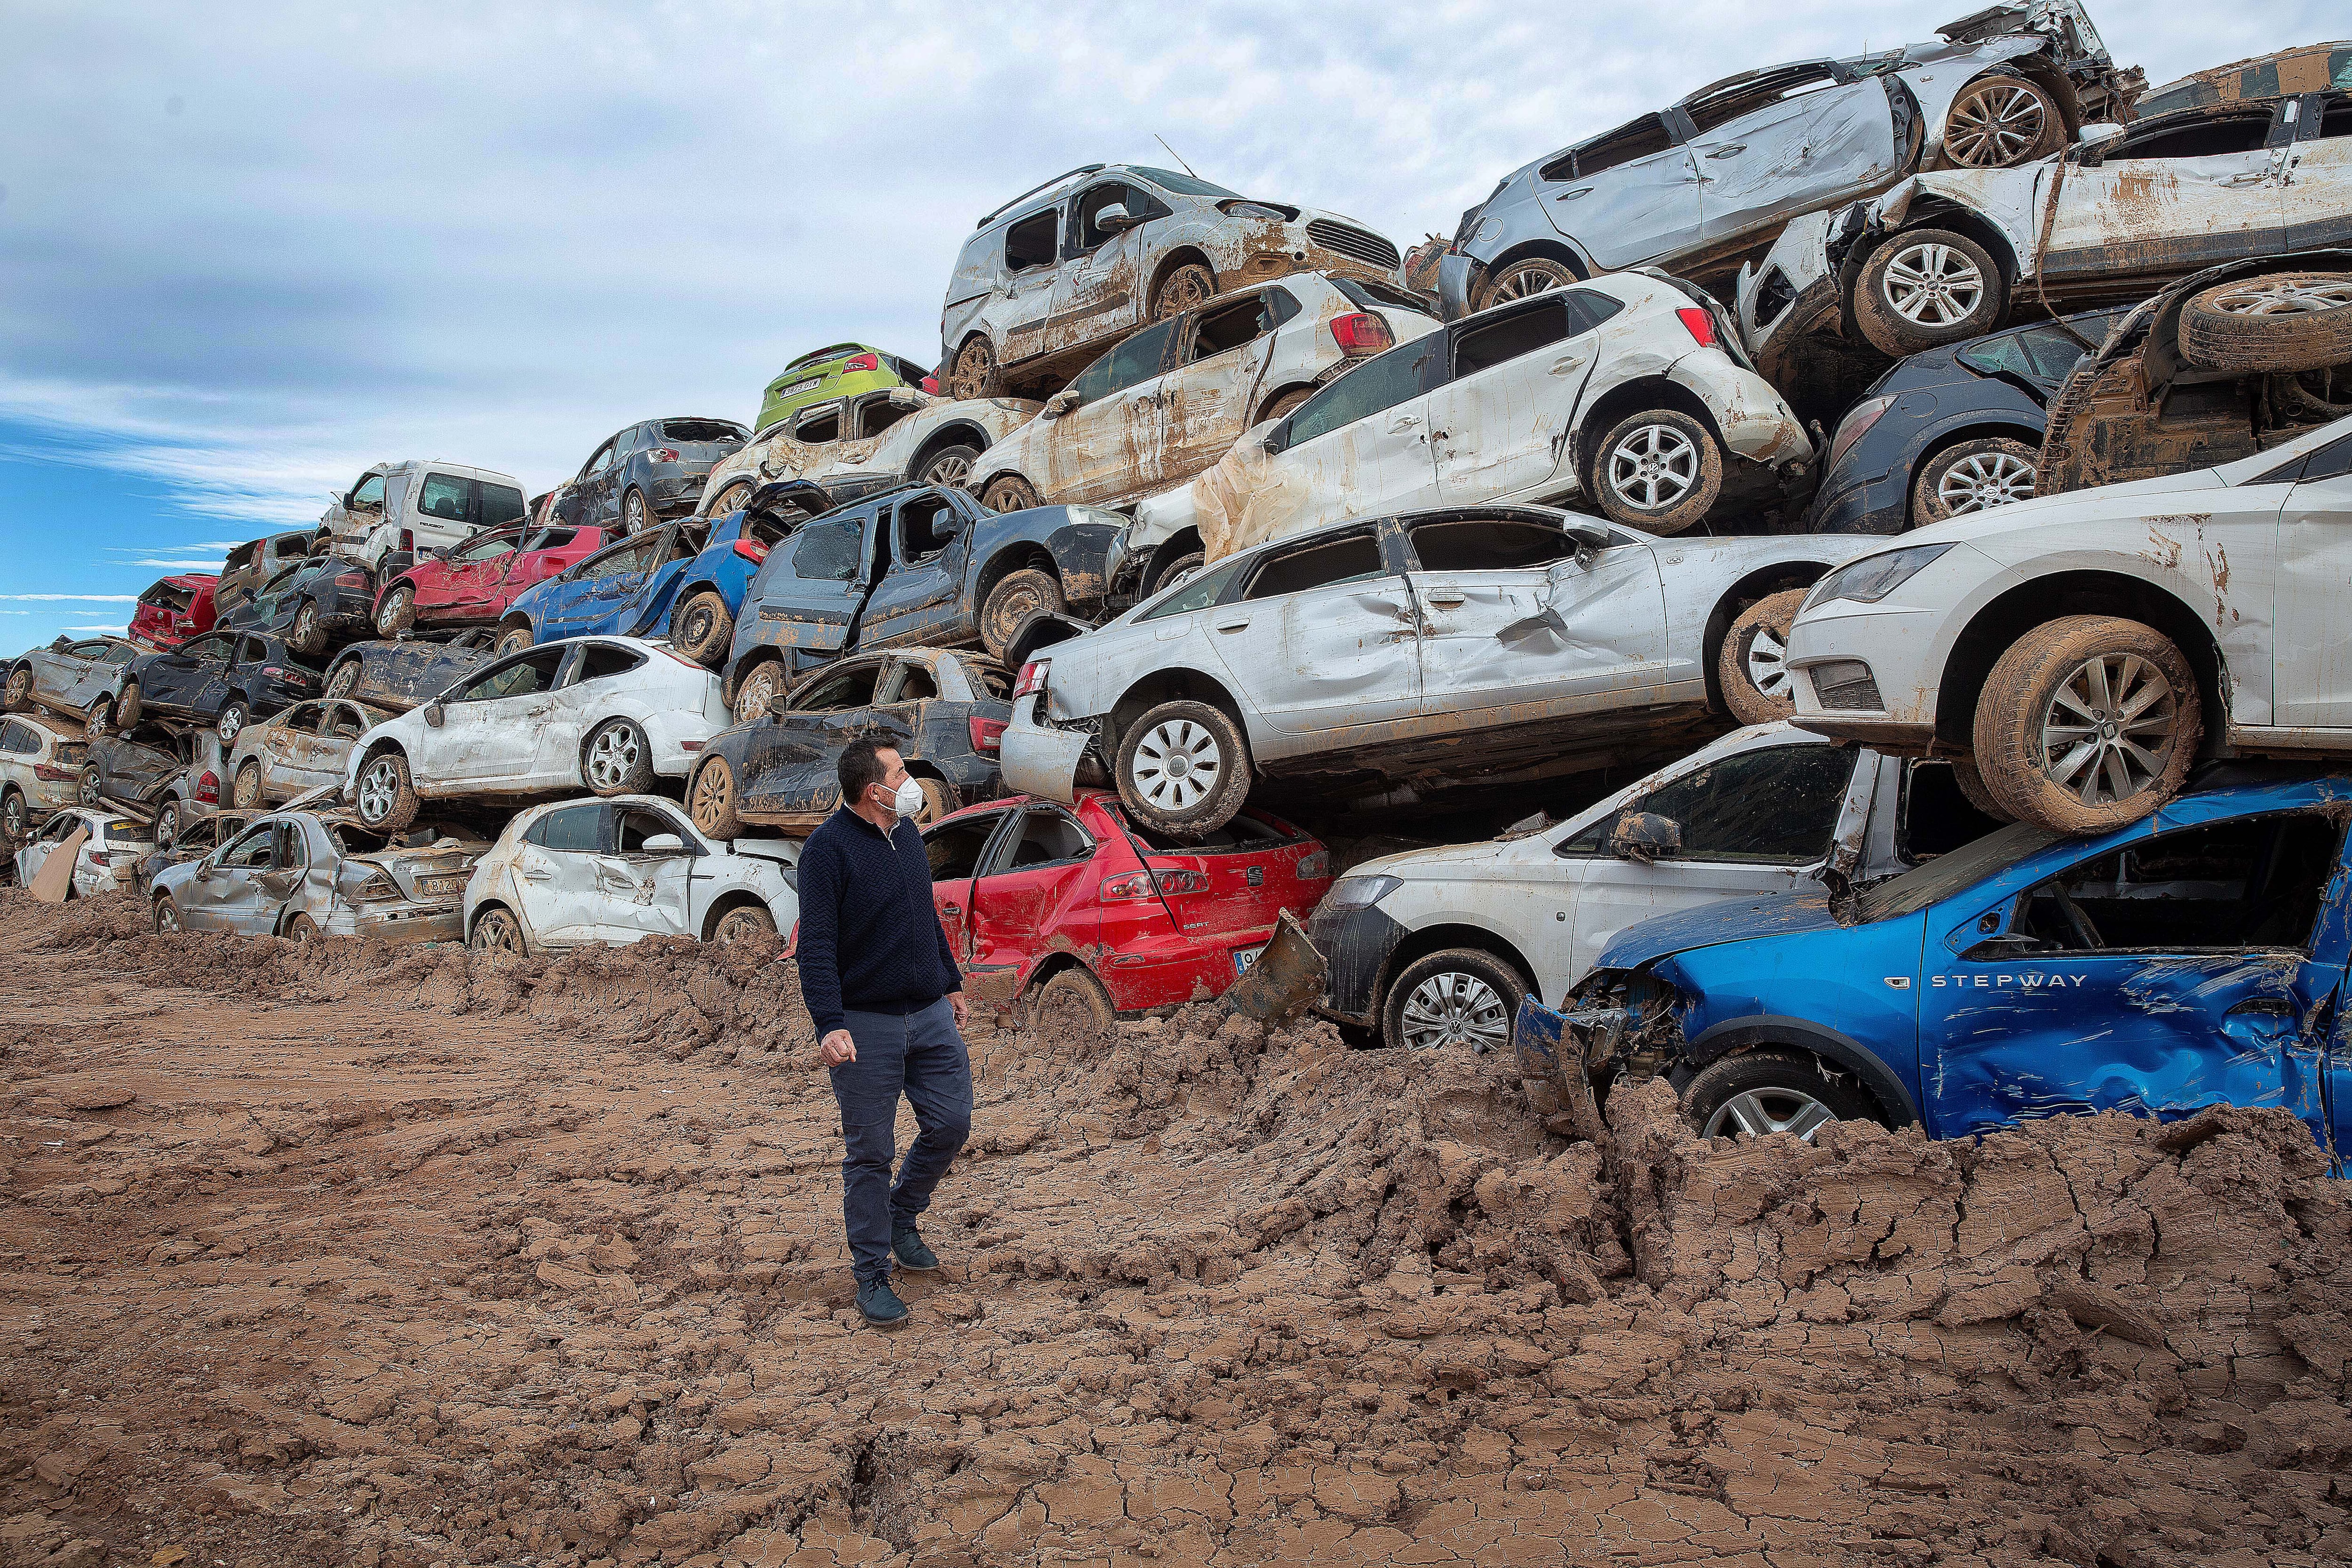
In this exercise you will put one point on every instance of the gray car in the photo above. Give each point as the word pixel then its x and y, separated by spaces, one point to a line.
pixel 70 677
pixel 1696 187
pixel 647 472
pixel 302 874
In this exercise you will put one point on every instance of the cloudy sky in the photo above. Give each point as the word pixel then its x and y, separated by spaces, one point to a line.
pixel 248 251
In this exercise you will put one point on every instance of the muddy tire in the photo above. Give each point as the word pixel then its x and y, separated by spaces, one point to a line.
pixel 310 632
pixel 2086 723
pixel 975 372
pixel 397 614
pixel 1971 785
pixel 1017 597
pixel 1524 278
pixel 1189 285
pixel 101 717
pixel 166 916
pixel 1009 492
pixel 128 706
pixel 167 825
pixel 1659 470
pixel 701 630
pixel 1073 998
pixel 1281 404
pixel 302 928
pixel 18 695
pixel 950 467
pixel 758 688
pixel 939 799
pixel 385 797
pixel 636 517
pixel 16 816
pixel 245 793
pixel 496 935
pixel 2276 322
pixel 1751 667
pixel 345 680
pixel 2001 122
pixel 743 921
pixel 1976 475
pixel 1184 768
pixel 90 788
pixel 1461 999
pixel 234 715
pixel 730 498
pixel 1926 288
pixel 1757 1093
pixel 513 638
pixel 617 759
pixel 711 800
pixel 1183 566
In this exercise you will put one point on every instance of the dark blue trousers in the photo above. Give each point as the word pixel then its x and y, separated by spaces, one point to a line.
pixel 919 1054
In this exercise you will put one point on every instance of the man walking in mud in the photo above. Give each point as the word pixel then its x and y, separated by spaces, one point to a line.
pixel 882 988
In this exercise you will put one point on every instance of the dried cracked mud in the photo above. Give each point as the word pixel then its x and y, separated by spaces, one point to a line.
pixel 358 1254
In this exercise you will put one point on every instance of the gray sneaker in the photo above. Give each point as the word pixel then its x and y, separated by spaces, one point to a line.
pixel 913 1256
pixel 880 1305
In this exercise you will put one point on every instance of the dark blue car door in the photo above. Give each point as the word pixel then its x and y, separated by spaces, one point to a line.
pixel 792 762
pixel 590 598
pixel 920 599
pixel 647 615
pixel 810 600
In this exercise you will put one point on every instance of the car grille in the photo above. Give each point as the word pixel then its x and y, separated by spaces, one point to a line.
pixel 1857 694
pixel 1362 244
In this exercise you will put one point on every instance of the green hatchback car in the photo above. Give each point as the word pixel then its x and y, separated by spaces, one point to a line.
pixel 840 371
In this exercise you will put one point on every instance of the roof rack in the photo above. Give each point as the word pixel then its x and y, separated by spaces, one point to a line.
pixel 1049 184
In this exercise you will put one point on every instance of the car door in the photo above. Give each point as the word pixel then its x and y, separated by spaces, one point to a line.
pixel 1110 442
pixel 286 746
pixel 2312 663
pixel 920 599
pixel 791 762
pixel 616 591
pixel 1321 638
pixel 604 582
pixel 1035 894
pixel 73 676
pixel 239 892
pixel 490 728
pixel 957 850
pixel 587 694
pixel 1098 288
pixel 1498 424
pixel 467 583
pixel 341 726
pixel 1628 196
pixel 1030 261
pixel 2318 169
pixel 555 875
pixel 591 497
pixel 172 680
pixel 1789 140
pixel 641 892
pixel 812 600
pixel 1361 445
pixel 2168 199
pixel 1205 402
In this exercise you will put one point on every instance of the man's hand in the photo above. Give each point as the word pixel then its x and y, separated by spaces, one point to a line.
pixel 837 1048
pixel 962 1010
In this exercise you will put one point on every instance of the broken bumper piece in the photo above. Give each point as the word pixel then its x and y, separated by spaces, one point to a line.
pixel 1037 759
pixel 402 922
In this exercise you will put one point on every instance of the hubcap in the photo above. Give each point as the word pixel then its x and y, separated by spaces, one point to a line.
pixel 697 624
pixel 1523 282
pixel 613 756
pixel 1177 764
pixel 2109 730
pixel 1767 662
pixel 379 787
pixel 1654 466
pixel 2286 296
pixel 1761 1112
pixel 1454 1008
pixel 1985 479
pixel 495 935
pixel 1932 285
pixel 1994 126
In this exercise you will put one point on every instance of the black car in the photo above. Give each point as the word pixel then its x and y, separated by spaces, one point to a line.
pixel 403 673
pixel 134 767
pixel 922 565
pixel 647 472
pixel 223 679
pixel 314 604
pixel 1949 431
pixel 944 711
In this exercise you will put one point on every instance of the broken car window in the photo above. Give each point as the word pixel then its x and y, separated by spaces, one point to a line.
pixel 819 426
pixel 1521 332
pixel 251 853
pixel 702 430
pixel 2200 136
pixel 1206 589
pixel 1366 295
pixel 1136 359
pixel 1709 109
pixel 954 849
pixel 1223 331
pixel 1378 385
pixel 1488 545
pixel 830 553
pixel 925 527
pixel 599 661
pixel 1350 558
pixel 2228 886
pixel 1777 806
pixel 488 549
pixel 368 494
pixel 1031 241
pixel 913 683
pixel 849 688
pixel 443 497
pixel 877 413
pixel 1935 818
pixel 1047 838
pixel 1094 203
pixel 637 825
pixel 533 672
pixel 1185 184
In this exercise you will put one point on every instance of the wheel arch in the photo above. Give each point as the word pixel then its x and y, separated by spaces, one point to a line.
pixel 1014 555
pixel 1941 212
pixel 1737 1036
pixel 1629 397
pixel 1184 255
pixel 727 903
pixel 1757 585
pixel 1421 943
pixel 731 680
pixel 1549 248
pixel 1178 683
pixel 955 432
pixel 502 906
pixel 1183 542
pixel 1279 393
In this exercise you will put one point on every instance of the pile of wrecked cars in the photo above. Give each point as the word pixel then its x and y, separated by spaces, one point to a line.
pixel 1821 592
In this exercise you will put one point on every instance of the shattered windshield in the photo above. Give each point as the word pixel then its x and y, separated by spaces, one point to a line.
pixel 1947 874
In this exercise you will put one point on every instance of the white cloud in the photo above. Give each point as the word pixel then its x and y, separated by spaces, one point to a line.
pixel 87 598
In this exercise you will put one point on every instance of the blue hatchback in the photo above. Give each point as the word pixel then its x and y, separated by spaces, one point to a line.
pixel 2193 959
pixel 679 582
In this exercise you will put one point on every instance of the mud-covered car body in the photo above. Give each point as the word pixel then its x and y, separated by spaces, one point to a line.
pixel 134 767
pixel 198 838
pixel 70 676
pixel 196 792
pixel 856 445
pixel 1051 278
pixel 1026 889
pixel 106 859
pixel 205 677
pixel 173 610
pixel 943 711
pixel 624 869
pixel 397 674
pixel 840 371
pixel 1166 402
pixel 395 509
pixel 316 604
pixel 654 469
pixel 245 568
pixel 2195 958
pixel 473 583
pixel 324 867
pixel 306 747
pixel 2313 67
pixel 40 772
pixel 1694 185
pixel 2140 407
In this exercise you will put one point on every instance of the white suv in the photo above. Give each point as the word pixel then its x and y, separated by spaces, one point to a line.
pixel 2086 648
pixel 409 507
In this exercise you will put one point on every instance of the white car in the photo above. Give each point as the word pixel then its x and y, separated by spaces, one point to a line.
pixel 1170 400
pixel 1627 389
pixel 39 768
pixel 1386 659
pixel 610 714
pixel 621 869
pixel 857 446
pixel 404 509
pixel 115 846
pixel 1437 947
pixel 2086 648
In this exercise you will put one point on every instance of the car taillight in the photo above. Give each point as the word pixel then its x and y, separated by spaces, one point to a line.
pixel 987 734
pixel 689 745
pixel 752 550
pixel 97 856
pixel 408 539
pixel 691 664
pixel 931 386
pixel 351 580
pixel 1138 884
pixel 208 788
pixel 1699 323
pixel 862 362
pixel 1361 333
pixel 663 454
pixel 1314 865
pixel 1033 677
pixel 1852 427
pixel 1134 885
pixel 1183 881
pixel 48 774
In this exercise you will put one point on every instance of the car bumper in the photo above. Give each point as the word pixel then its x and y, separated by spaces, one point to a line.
pixel 1037 759
pixel 1871 506
pixel 1756 423
pixel 400 921
pixel 677 739
pixel 1169 972
pixel 1456 275
pixel 1356 943
pixel 1891 698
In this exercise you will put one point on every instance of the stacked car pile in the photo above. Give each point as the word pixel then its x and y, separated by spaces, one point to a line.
pixel 1211 521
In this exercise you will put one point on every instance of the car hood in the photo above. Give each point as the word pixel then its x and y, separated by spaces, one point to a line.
pixel 1713 925
pixel 2044 512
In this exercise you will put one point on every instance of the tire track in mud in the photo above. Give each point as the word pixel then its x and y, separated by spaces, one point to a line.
pixel 342 1254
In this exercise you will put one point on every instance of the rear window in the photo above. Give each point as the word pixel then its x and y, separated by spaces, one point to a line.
pixel 703 430
pixel 165 594
pixel 501 504
pixel 574 829
pixel 1243 833
pixel 443 497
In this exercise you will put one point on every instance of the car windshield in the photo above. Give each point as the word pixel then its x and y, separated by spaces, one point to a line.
pixel 1947 874
pixel 1184 184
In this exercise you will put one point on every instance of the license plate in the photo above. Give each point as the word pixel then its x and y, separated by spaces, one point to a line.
pixel 442 884
pixel 796 388
pixel 1245 956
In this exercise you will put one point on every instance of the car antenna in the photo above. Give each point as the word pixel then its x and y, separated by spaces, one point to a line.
pixel 1173 154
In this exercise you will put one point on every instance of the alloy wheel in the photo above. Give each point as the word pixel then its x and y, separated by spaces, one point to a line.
pixel 1654 466
pixel 1522 283
pixel 1759 1112
pixel 1451 1008
pixel 345 679
pixel 759 689
pixel 1768 663
pixel 950 472
pixel 2285 297
pixel 713 797
pixel 2109 728
pixel 613 756
pixel 167 825
pixel 1932 285
pixel 167 917
pixel 1994 125
pixel 14 815
pixel 633 513
pixel 379 787
pixel 1985 479
pixel 1177 764
pixel 231 724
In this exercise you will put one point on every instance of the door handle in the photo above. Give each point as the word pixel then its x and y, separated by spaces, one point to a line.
pixel 533 874
pixel 1572 195
pixel 1445 598
pixel 1404 422
pixel 1731 150
pixel 1232 624
pixel 1566 363
pixel 950 909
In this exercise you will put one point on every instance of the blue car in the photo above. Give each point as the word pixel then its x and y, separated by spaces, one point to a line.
pixel 2195 958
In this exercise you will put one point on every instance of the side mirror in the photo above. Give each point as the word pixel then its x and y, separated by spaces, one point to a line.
pixel 1587 536
pixel 2098 134
pixel 435 713
pixel 1061 403
pixel 1643 835
pixel 204 869
pixel 665 844
pixel 779 705
pixel 1116 220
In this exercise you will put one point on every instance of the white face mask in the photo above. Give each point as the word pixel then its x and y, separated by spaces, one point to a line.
pixel 909 800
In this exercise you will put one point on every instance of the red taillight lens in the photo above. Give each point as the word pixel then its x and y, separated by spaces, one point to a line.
pixel 48 774
pixel 1183 881
pixel 208 788
pixel 1315 865
pixel 1033 677
pixel 752 550
pixel 931 386
pixel 1361 333
pixel 664 454
pixel 792 942
pixel 987 734
pixel 1134 885
pixel 408 539
pixel 1699 323
pixel 861 362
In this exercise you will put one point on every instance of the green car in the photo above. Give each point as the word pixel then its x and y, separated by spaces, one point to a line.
pixel 841 371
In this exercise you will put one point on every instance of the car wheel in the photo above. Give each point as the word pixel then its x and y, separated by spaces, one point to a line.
pixel 345 681
pixel 16 817
pixel 90 789
pixel 2001 122
pixel 1183 566
pixel 496 935
pixel 386 796
pixel 1189 285
pixel 1659 470
pixel 1458 998
pixel 635 515
pixel 731 498
pixel 167 917
pixel 950 467
pixel 2086 723
pixel 19 693
pixel 1752 665
pixel 1757 1093
pixel 1971 785
pixel 102 715
pixel 1009 492
pixel 939 799
pixel 1282 402
pixel 397 614
pixel 1989 471
pixel 1072 1000
pixel 301 928
pixel 744 920
pixel 1521 279
pixel 245 793
pixel 617 759
pixel 167 825
pixel 711 801
pixel 2276 322
pixel 1017 597
pixel 232 721
pixel 513 638
pixel 309 633
pixel 1926 288
pixel 1184 768
pixel 758 689
pixel 973 375
pixel 701 628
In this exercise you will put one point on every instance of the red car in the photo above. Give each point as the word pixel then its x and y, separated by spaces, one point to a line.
pixel 1079 898
pixel 173 610
pixel 474 584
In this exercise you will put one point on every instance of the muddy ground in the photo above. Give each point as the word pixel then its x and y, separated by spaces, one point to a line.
pixel 348 1254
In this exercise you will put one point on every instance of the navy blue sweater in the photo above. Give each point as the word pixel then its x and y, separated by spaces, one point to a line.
pixel 870 937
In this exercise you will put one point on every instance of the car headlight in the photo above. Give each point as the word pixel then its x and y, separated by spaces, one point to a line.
pixel 1360 892
pixel 1871 579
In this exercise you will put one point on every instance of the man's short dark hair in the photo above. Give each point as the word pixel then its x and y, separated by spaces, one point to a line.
pixel 861 764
